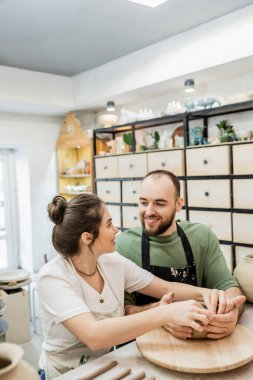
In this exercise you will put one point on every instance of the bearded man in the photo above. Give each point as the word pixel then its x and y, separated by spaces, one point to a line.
pixel 178 251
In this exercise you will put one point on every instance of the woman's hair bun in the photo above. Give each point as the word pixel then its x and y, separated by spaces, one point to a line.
pixel 56 209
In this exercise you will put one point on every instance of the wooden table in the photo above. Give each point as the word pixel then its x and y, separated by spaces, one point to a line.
pixel 129 356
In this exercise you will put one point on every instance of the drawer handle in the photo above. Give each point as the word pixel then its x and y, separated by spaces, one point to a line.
pixel 163 164
pixel 206 194
pixel 107 191
pixel 205 162
pixel 134 191
pixel 131 166
pixel 105 167
pixel 135 217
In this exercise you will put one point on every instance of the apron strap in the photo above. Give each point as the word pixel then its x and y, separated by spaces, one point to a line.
pixel 187 247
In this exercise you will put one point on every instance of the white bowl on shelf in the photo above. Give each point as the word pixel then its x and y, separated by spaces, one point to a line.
pixel 107 120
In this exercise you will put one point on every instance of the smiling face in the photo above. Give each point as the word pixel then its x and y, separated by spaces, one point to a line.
pixel 158 204
pixel 105 242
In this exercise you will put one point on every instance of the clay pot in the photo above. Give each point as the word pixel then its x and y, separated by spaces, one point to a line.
pixel 11 365
pixel 243 273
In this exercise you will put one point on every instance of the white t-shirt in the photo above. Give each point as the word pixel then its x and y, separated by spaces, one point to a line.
pixel 63 294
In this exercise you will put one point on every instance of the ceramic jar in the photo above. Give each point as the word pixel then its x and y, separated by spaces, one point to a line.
pixel 244 275
pixel 11 365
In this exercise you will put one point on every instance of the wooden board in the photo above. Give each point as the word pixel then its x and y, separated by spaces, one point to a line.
pixel 197 355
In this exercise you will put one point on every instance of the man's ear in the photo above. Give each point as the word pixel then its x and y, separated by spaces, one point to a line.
pixel 179 204
pixel 86 238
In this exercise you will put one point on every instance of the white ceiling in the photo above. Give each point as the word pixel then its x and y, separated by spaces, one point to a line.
pixel 67 37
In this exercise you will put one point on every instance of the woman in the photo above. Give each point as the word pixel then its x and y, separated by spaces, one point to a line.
pixel 81 289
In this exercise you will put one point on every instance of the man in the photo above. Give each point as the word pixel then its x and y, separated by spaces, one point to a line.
pixel 176 251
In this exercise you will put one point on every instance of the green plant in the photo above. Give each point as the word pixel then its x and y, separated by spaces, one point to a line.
pixel 226 131
pixel 154 141
pixel 225 125
pixel 156 136
pixel 127 138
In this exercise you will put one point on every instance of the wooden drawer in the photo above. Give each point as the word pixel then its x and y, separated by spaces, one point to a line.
pixel 109 191
pixel 227 252
pixel 130 217
pixel 115 214
pixel 106 167
pixel 133 165
pixel 241 252
pixel 130 191
pixel 208 160
pixel 209 193
pixel 242 227
pixel 219 222
pixel 243 193
pixel 243 159
pixel 172 161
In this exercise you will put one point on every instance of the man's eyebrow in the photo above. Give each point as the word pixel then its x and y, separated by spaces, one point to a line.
pixel 154 200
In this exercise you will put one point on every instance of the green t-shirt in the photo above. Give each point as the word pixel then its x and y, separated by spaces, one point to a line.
pixel 167 251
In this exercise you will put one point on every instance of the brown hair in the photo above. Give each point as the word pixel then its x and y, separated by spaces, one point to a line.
pixel 174 179
pixel 83 213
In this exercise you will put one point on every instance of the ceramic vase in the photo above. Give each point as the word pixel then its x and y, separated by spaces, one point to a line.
pixel 11 365
pixel 244 275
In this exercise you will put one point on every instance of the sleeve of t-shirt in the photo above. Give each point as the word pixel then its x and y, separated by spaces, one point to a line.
pixel 136 278
pixel 216 273
pixel 59 299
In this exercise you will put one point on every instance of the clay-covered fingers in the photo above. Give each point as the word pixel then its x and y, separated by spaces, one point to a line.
pixel 181 332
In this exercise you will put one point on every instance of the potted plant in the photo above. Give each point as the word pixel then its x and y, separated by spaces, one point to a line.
pixel 152 139
pixel 226 131
pixel 127 138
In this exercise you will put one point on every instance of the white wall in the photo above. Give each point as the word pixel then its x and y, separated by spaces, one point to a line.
pixel 34 137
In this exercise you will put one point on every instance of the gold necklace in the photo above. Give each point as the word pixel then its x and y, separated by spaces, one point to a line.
pixel 85 274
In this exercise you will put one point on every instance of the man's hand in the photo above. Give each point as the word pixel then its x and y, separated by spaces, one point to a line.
pixel 218 301
pixel 222 324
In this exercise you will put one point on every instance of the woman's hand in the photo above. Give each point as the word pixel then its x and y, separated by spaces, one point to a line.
pixel 187 313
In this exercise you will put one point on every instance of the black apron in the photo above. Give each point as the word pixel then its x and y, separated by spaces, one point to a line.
pixel 185 275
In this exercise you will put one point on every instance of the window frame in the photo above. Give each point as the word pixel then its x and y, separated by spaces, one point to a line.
pixel 8 158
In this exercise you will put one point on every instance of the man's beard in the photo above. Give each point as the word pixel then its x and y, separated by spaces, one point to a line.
pixel 164 226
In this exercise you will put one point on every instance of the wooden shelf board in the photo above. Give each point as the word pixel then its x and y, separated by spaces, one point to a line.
pixel 74 176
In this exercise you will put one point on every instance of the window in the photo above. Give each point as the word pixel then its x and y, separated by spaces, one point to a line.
pixel 8 210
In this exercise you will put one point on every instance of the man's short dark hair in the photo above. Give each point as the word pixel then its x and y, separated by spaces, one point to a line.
pixel 174 179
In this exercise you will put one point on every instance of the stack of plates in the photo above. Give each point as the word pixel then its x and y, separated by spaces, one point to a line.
pixel 14 278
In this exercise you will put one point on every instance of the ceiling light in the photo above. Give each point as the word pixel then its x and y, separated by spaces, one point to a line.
pixel 189 85
pixel 110 106
pixel 149 3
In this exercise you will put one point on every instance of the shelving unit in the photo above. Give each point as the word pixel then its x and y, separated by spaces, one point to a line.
pixel 74 159
pixel 217 180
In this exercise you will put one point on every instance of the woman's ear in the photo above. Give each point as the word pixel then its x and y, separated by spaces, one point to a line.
pixel 179 204
pixel 86 238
